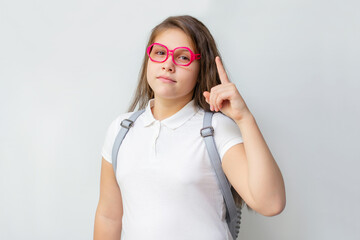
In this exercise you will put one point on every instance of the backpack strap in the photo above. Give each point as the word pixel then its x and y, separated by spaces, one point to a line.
pixel 126 124
pixel 233 214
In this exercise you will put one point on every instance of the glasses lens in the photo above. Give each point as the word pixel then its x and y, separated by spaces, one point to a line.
pixel 182 56
pixel 158 53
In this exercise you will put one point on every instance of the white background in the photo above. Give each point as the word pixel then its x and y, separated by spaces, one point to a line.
pixel 68 68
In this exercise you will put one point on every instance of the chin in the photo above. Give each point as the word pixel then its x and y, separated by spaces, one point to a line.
pixel 165 96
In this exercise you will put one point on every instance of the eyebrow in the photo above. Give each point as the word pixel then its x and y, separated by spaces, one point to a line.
pixel 190 47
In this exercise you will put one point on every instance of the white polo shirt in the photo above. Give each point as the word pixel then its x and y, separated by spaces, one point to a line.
pixel 169 188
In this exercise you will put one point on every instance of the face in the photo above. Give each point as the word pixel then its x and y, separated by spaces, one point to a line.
pixel 182 78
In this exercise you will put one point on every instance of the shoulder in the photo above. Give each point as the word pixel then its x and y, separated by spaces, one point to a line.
pixel 122 116
pixel 225 128
pixel 112 131
pixel 223 124
pixel 115 124
pixel 220 119
pixel 226 132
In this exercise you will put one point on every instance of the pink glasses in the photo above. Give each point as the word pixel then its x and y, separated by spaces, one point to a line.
pixel 182 56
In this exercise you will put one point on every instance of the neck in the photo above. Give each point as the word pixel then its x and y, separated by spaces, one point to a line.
pixel 164 108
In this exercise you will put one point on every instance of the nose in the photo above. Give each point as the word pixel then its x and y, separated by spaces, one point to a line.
pixel 169 65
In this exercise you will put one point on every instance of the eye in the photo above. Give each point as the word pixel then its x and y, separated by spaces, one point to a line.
pixel 183 57
pixel 160 52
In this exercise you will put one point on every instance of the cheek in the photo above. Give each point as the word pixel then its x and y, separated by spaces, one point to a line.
pixel 191 83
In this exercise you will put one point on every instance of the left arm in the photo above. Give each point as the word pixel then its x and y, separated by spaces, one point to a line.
pixel 250 166
pixel 253 172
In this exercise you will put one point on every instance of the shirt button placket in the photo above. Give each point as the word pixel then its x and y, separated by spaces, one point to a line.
pixel 157 128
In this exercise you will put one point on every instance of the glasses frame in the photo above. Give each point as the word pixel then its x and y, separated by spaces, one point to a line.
pixel 171 52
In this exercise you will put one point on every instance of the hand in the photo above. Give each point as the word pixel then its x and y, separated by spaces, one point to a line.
pixel 225 97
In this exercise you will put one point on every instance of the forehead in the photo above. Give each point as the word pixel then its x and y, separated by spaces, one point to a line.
pixel 173 38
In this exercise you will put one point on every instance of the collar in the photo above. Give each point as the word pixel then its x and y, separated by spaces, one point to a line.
pixel 174 121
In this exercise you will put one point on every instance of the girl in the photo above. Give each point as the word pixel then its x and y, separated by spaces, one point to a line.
pixel 165 187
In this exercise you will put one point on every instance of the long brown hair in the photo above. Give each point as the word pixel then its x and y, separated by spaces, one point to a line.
pixel 203 43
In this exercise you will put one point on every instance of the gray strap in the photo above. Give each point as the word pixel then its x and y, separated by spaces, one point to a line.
pixel 233 213
pixel 126 124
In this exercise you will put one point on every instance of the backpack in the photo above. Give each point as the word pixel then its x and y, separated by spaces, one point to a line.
pixel 233 212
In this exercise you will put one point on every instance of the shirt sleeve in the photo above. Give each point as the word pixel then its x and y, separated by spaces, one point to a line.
pixel 226 133
pixel 112 132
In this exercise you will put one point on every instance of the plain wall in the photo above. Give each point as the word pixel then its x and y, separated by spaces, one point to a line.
pixel 68 68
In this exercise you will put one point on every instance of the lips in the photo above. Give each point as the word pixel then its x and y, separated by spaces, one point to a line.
pixel 165 79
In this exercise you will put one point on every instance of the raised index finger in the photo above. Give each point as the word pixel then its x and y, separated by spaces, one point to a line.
pixel 221 70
